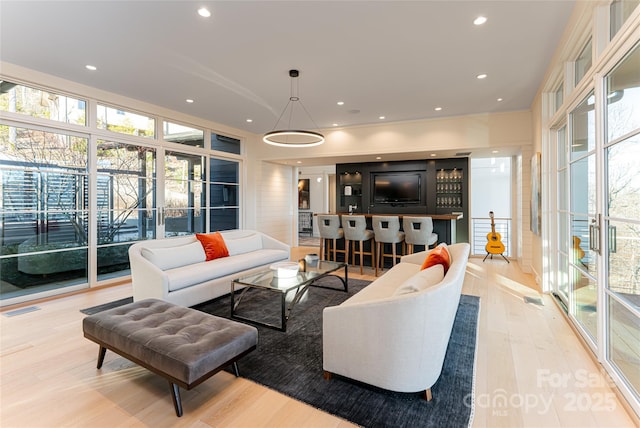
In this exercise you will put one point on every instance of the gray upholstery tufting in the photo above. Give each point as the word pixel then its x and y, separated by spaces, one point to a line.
pixel 184 343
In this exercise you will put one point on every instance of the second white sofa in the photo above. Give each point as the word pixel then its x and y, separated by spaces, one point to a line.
pixel 394 333
pixel 175 270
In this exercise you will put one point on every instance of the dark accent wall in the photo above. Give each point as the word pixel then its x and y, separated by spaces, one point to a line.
pixel 444 189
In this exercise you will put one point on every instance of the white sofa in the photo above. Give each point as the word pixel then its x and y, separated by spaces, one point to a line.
pixel 175 270
pixel 396 341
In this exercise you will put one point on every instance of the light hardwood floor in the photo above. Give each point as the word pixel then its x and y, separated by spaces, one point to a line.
pixel 531 370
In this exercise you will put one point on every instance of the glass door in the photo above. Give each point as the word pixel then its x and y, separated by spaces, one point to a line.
pixel 125 203
pixel 183 211
pixel 583 227
pixel 622 220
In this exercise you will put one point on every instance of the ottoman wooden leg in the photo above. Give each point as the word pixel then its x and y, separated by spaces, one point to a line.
pixel 175 394
pixel 101 354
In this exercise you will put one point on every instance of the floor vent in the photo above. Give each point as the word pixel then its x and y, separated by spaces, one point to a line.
pixel 534 300
pixel 21 311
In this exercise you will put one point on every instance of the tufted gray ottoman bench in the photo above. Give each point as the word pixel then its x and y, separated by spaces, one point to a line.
pixel 183 345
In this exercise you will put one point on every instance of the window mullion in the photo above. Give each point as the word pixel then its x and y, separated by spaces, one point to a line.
pixel 92 169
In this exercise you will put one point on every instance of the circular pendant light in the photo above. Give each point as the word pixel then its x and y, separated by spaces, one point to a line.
pixel 293 137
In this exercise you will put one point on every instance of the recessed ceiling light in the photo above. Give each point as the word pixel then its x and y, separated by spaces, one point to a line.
pixel 340 103
pixel 499 99
pixel 481 76
pixel 335 124
pixel 299 162
pixel 433 155
pixel 91 67
pixel 249 120
pixel 378 158
pixel 204 12
pixel 381 117
pixel 438 108
pixel 495 151
pixel 480 20
pixel 189 100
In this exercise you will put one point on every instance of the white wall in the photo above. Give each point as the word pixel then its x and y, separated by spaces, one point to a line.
pixel 276 206
pixel 491 181
pixel 525 237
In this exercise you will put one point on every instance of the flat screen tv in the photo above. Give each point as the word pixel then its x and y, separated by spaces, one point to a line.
pixel 396 188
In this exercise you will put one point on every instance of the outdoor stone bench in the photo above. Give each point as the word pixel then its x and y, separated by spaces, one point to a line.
pixel 183 345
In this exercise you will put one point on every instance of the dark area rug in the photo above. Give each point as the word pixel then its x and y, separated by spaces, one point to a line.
pixel 291 363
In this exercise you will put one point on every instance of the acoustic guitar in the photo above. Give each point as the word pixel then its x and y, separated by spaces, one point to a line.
pixel 494 244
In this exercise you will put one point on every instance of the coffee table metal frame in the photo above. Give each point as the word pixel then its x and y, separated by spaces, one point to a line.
pixel 267 280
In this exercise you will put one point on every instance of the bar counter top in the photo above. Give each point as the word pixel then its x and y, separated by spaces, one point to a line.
pixel 433 216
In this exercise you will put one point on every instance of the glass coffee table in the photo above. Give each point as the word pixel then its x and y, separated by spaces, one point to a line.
pixel 291 289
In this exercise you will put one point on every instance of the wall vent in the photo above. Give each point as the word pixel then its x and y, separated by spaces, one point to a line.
pixel 534 300
pixel 463 153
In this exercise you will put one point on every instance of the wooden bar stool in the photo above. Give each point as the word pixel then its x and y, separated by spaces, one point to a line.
pixel 418 231
pixel 355 230
pixel 330 233
pixel 387 231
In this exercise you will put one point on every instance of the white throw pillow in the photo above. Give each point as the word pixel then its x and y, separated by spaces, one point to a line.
pixel 422 280
pixel 173 257
pixel 243 245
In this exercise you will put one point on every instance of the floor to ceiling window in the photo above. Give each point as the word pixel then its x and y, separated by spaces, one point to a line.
pixel 182 208
pixel 597 211
pixel 75 197
pixel 44 210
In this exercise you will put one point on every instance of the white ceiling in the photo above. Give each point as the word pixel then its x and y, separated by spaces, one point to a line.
pixel 392 58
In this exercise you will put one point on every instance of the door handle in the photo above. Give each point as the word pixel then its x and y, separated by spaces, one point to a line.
pixel 594 236
pixel 613 239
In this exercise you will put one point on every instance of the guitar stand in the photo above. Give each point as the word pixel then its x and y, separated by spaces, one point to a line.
pixel 485 257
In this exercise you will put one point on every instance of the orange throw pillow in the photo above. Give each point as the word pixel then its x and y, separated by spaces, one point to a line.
pixel 438 256
pixel 213 244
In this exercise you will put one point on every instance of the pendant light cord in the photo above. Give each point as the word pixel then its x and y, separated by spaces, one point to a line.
pixel 294 97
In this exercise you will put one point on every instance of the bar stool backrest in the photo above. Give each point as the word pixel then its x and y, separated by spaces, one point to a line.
pixel 386 228
pixel 329 226
pixel 355 227
pixel 419 230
